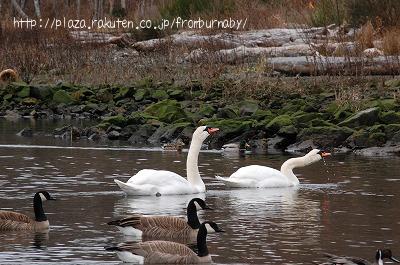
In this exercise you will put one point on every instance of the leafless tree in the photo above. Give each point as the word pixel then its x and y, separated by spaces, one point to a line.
pixel 22 4
pixel 18 9
pixel 37 8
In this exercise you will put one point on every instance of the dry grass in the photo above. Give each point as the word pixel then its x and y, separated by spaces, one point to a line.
pixel 365 37
pixel 391 41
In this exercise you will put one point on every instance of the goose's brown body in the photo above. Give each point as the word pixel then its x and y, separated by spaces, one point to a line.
pixel 12 221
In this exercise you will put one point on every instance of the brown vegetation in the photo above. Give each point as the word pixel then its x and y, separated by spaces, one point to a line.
pixel 8 75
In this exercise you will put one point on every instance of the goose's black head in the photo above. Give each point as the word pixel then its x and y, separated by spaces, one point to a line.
pixel 44 196
pixel 200 204
pixel 212 226
pixel 385 254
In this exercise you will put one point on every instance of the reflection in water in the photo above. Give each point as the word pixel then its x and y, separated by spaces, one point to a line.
pixel 352 208
pixel 152 205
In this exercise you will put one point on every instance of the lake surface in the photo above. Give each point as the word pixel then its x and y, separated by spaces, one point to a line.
pixel 348 205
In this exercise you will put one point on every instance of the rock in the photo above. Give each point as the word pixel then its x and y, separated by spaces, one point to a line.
pixel 379 151
pixel 117 120
pixel 159 94
pixel 207 111
pixel 113 128
pixel 30 101
pixel 302 146
pixel 227 113
pixel 24 92
pixel 167 111
pixel 331 136
pixel 104 95
pixel 391 130
pixel 304 118
pixel 141 136
pixel 113 135
pixel 128 131
pixel 288 132
pixel 26 132
pixel 372 52
pixel 41 91
pixel 278 122
pixel 277 144
pixel 177 94
pixel 229 129
pixel 366 117
pixel 248 107
pixel 62 96
pixel 140 94
pixel 390 117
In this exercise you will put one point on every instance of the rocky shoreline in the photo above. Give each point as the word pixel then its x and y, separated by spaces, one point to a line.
pixel 149 113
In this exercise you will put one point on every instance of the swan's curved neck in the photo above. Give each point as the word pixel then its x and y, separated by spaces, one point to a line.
pixel 202 241
pixel 289 165
pixel 193 219
pixel 38 209
pixel 193 175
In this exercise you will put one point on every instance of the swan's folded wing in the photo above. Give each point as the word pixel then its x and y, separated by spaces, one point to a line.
pixel 156 177
pixel 13 216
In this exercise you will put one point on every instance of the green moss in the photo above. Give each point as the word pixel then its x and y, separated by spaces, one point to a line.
pixel 391 130
pixel 207 111
pixel 124 92
pixel 390 117
pixel 62 96
pixel 141 94
pixel 167 111
pixel 159 94
pixel 376 139
pixel 279 122
pixel 30 101
pixel 24 92
pixel 117 120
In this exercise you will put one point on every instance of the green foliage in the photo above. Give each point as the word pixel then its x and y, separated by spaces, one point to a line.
pixel 328 12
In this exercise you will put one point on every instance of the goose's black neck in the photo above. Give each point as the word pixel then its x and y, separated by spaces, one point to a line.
pixel 202 241
pixel 38 208
pixel 193 219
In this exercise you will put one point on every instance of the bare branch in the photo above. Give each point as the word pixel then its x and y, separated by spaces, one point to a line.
pixel 18 9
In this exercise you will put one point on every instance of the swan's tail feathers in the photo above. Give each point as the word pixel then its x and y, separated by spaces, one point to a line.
pixel 229 182
pixel 133 190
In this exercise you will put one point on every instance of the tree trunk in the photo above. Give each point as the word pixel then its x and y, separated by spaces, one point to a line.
pixel 22 4
pixel 123 4
pixel 37 7
pixel 18 9
pixel 111 3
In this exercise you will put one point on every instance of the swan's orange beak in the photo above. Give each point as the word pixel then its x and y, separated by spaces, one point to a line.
pixel 325 154
pixel 212 130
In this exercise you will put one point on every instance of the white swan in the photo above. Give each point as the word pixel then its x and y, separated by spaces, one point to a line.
pixel 265 177
pixel 161 182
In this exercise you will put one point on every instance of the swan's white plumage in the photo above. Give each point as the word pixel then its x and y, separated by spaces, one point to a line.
pixel 154 182
pixel 151 182
pixel 256 176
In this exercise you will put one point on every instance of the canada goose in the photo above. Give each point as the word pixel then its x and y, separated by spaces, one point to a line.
pixel 167 252
pixel 380 255
pixel 152 182
pixel 164 227
pixel 256 176
pixel 10 221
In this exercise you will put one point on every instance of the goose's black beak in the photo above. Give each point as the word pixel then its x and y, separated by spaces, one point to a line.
pixel 207 208
pixel 394 259
pixel 220 231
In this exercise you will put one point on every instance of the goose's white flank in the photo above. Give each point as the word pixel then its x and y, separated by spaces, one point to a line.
pixel 162 182
pixel 256 176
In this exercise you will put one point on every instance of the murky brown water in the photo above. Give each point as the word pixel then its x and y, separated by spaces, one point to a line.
pixel 348 206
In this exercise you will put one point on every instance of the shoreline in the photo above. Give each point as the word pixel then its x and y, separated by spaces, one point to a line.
pixel 367 122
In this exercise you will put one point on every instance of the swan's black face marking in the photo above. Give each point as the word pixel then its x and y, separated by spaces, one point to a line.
pixel 324 153
pixel 158 194
pixel 211 130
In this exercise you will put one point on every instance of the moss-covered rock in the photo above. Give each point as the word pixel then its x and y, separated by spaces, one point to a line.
pixel 228 112
pixel 391 130
pixel 366 117
pixel 279 122
pixel 176 93
pixel 159 94
pixel 331 136
pixel 62 96
pixel 248 107
pixel 117 120
pixel 390 117
pixel 141 94
pixel 207 111
pixel 169 111
pixel 124 92
pixel 41 91
pixel 24 92
pixel 304 118
pixel 30 101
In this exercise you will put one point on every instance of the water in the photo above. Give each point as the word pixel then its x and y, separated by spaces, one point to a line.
pixel 347 206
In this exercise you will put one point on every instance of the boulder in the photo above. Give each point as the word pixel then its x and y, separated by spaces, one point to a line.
pixel 167 111
pixel 62 96
pixel 24 92
pixel 331 136
pixel 141 136
pixel 113 135
pixel 379 151
pixel 302 146
pixel 26 132
pixel 366 117
pixel 390 117
pixel 278 122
